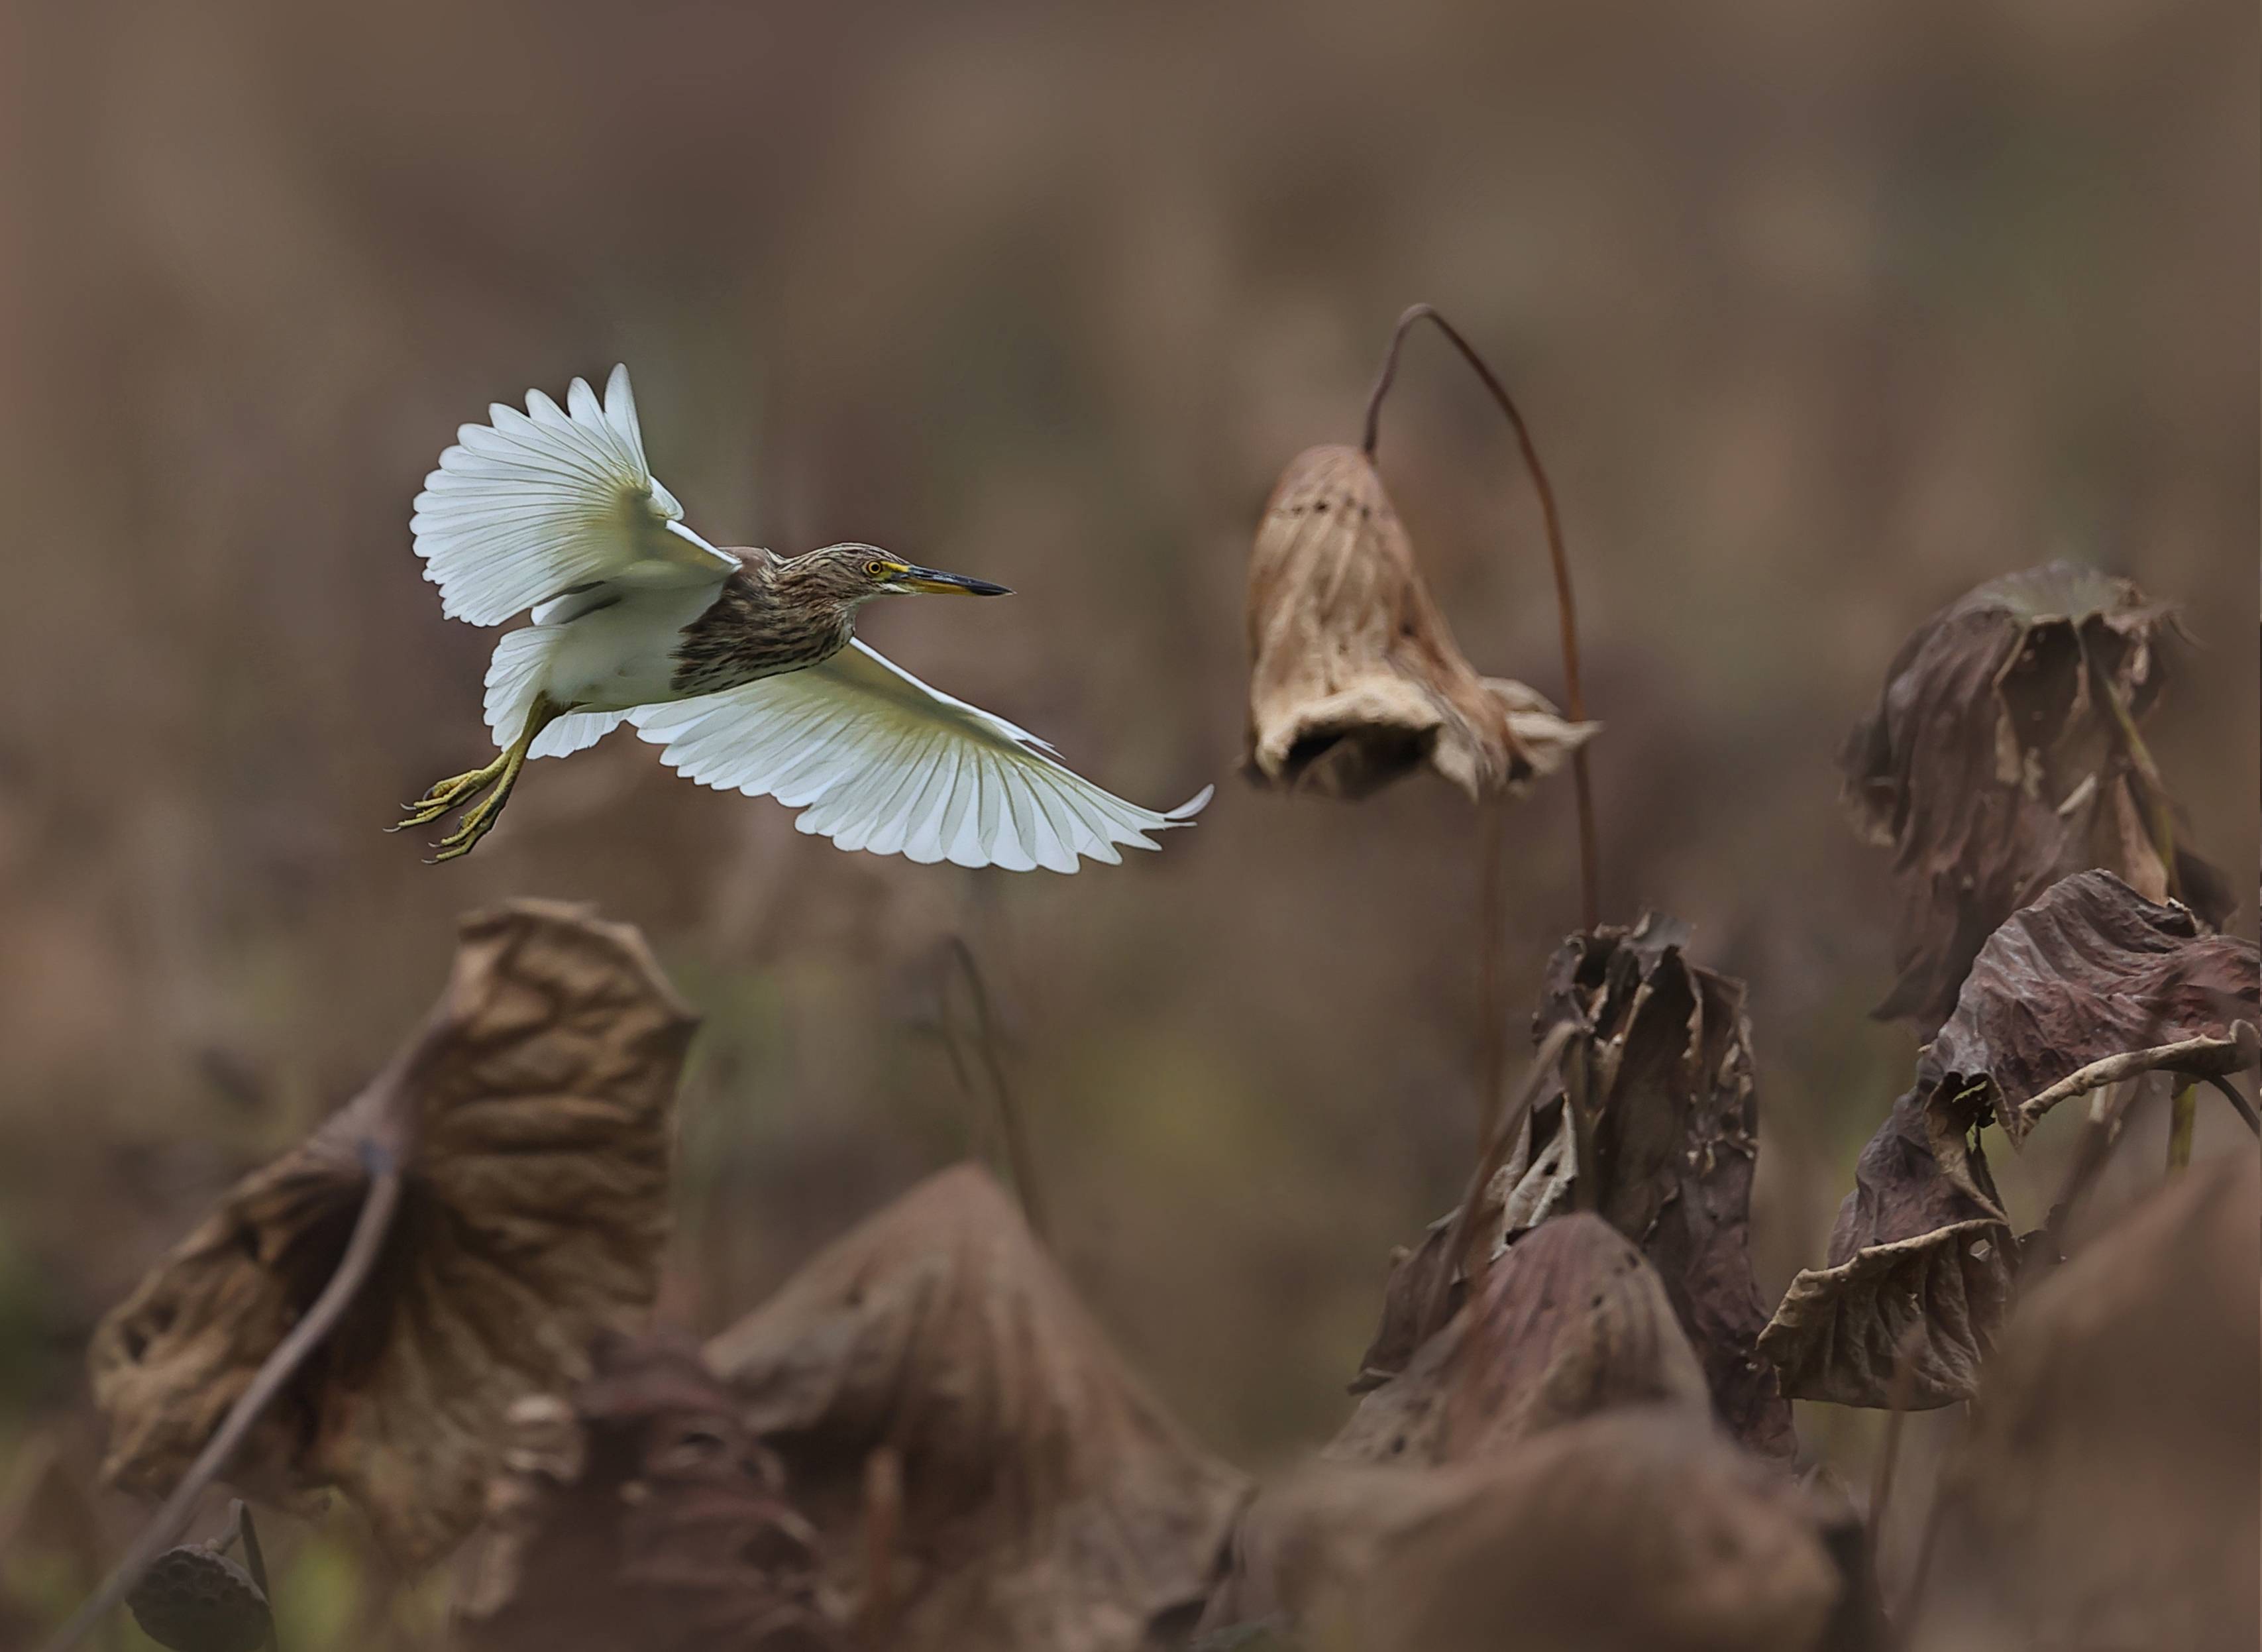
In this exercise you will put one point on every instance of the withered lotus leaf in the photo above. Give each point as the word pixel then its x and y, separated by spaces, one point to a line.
pixel 644 1513
pixel 1658 1138
pixel 1636 1527
pixel 2107 1496
pixel 1048 1502
pixel 1355 679
pixel 2091 970
pixel 1921 1260
pixel 1919 1268
pixel 1992 767
pixel 537 1106
pixel 1569 1320
pixel 1663 1130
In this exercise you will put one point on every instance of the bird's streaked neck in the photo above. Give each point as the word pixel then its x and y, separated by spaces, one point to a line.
pixel 813 608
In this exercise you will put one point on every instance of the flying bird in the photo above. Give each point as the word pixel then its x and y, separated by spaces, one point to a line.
pixel 742 666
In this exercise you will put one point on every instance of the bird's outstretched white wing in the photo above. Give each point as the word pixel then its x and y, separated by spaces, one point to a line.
pixel 535 503
pixel 878 760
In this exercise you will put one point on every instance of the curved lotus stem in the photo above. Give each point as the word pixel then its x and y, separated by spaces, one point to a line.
pixel 1575 701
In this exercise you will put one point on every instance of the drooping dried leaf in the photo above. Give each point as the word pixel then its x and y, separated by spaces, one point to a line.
pixel 1664 1126
pixel 1568 1322
pixel 2091 970
pixel 1991 767
pixel 1355 679
pixel 1662 1133
pixel 1919 1267
pixel 2107 1496
pixel 1048 1502
pixel 1633 1528
pixel 643 1512
pixel 535 1110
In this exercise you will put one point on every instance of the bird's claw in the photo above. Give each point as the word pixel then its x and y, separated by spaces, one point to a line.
pixel 477 820
pixel 453 793
pixel 443 796
pixel 469 831
pixel 462 791
pixel 461 841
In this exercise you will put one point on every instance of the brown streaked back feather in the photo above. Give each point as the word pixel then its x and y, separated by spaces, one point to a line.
pixel 776 614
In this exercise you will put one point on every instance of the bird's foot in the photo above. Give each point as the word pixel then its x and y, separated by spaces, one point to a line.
pixel 448 794
pixel 496 780
pixel 479 819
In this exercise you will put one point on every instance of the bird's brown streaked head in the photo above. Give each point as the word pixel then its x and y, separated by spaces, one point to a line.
pixel 855 573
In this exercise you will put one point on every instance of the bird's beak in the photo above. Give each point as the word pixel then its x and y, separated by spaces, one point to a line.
pixel 936 583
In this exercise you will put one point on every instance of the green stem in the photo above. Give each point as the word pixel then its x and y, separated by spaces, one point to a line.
pixel 2181 1115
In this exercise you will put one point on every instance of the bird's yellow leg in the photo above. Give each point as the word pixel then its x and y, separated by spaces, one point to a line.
pixel 479 820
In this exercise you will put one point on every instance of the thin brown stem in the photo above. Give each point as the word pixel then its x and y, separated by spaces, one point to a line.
pixel 1903 1390
pixel 2239 1103
pixel 883 1519
pixel 1574 700
pixel 1489 1162
pixel 1905 1621
pixel 1018 1153
pixel 1492 975
pixel 362 1251
pixel 2098 1135
pixel 35 1461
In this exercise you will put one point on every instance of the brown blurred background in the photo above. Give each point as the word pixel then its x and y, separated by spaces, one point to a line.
pixel 1820 316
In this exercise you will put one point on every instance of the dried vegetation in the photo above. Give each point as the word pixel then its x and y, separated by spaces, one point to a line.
pixel 1356 681
pixel 532 1118
pixel 2003 756
pixel 1573 1427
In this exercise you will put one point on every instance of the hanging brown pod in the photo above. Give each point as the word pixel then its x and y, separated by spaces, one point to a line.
pixel 1355 677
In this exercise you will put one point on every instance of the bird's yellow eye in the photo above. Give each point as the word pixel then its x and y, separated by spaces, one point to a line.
pixel 875 570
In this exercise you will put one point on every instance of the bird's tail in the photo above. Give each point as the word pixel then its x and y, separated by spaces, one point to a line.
pixel 515 677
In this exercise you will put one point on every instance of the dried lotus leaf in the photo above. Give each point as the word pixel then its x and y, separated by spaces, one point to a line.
pixel 533 1115
pixel 1356 681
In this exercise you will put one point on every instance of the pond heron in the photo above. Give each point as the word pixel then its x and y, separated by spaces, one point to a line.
pixel 742 666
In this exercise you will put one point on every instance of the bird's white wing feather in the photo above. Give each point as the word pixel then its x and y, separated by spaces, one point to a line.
pixel 538 502
pixel 878 760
